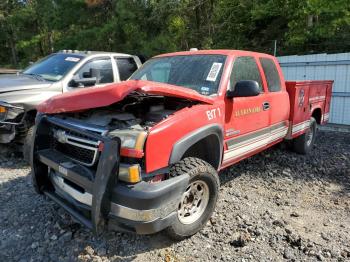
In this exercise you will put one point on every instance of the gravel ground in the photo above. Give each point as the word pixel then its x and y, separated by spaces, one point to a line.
pixel 274 206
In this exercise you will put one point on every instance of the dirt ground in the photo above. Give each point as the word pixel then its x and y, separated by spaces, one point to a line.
pixel 272 207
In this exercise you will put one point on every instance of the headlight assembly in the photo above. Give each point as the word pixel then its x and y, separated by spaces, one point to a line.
pixel 9 113
pixel 132 143
pixel 131 139
pixel 3 113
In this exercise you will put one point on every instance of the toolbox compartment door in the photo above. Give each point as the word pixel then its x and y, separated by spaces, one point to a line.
pixel 305 97
pixel 327 106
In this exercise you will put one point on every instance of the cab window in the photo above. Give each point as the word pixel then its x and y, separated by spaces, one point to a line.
pixel 126 66
pixel 99 68
pixel 201 73
pixel 271 73
pixel 159 73
pixel 245 68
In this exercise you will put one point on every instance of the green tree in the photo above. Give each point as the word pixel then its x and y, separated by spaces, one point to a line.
pixel 30 29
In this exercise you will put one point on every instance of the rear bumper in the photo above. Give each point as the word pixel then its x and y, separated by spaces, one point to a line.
pixel 95 197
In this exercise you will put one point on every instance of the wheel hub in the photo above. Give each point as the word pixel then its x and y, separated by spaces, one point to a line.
pixel 193 202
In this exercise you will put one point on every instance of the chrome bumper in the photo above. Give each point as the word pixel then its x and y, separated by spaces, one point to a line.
pixel 116 210
pixel 95 197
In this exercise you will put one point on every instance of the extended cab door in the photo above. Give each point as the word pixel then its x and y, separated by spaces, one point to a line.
pixel 246 118
pixel 277 98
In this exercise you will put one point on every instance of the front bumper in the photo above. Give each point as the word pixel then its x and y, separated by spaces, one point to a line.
pixel 95 197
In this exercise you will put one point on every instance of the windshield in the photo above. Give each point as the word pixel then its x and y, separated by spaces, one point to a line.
pixel 201 73
pixel 53 67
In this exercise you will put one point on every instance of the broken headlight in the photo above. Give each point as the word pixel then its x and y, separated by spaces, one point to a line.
pixel 130 139
pixel 10 113
pixel 3 113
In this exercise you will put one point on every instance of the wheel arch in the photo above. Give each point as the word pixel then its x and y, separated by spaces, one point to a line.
pixel 317 114
pixel 28 116
pixel 205 143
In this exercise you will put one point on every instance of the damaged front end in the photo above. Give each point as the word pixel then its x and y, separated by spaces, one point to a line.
pixel 92 164
pixel 10 117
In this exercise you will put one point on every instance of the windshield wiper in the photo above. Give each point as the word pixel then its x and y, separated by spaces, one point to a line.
pixel 36 76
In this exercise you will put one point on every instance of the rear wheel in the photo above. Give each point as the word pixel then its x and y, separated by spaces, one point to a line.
pixel 198 201
pixel 303 144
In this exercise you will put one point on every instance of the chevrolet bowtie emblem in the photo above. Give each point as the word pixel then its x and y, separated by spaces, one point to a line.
pixel 61 136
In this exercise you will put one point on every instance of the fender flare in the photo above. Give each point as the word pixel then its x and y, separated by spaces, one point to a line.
pixel 182 145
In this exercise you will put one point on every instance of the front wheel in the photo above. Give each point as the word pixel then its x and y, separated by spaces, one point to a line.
pixel 27 144
pixel 198 201
pixel 303 144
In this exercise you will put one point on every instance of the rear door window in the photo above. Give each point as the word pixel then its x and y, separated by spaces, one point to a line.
pixel 126 66
pixel 245 68
pixel 271 73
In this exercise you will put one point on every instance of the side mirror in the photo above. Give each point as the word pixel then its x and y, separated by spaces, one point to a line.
pixel 244 88
pixel 83 82
pixel 87 74
pixel 93 72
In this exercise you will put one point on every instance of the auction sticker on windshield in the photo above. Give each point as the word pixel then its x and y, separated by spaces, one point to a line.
pixel 72 59
pixel 214 72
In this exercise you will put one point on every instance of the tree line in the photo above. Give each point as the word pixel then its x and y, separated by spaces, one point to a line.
pixel 30 29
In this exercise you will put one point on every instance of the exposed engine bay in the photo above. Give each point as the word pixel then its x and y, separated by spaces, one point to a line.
pixel 136 112
pixel 128 120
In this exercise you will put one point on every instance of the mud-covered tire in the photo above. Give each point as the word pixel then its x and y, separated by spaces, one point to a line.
pixel 202 176
pixel 303 144
pixel 27 144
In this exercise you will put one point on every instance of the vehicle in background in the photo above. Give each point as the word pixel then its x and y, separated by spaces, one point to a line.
pixel 57 73
pixel 144 155
pixel 8 71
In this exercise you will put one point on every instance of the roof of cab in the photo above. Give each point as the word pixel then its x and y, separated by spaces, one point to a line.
pixel 216 52
pixel 89 53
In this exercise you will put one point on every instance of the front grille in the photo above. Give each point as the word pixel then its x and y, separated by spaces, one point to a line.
pixel 80 154
pixel 78 147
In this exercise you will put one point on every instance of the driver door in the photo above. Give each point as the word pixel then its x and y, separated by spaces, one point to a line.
pixel 95 72
pixel 246 118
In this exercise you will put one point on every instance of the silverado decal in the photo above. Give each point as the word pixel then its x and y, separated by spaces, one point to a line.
pixel 247 111
pixel 231 132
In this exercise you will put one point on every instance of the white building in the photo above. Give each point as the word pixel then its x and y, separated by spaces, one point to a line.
pixel 324 67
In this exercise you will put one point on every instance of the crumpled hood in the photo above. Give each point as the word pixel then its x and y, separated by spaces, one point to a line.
pixel 104 96
pixel 11 83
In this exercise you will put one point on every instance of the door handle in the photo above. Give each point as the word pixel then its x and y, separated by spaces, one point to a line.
pixel 266 106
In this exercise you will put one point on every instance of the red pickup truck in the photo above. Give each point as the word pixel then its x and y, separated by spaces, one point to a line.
pixel 143 155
